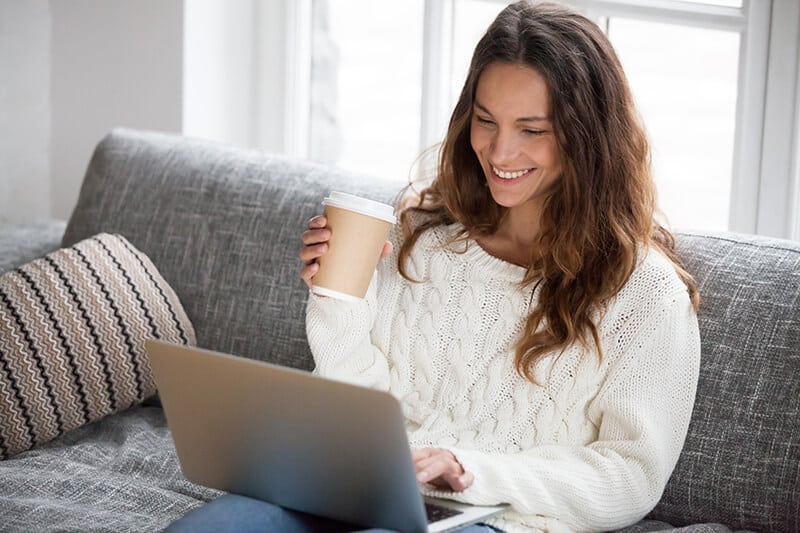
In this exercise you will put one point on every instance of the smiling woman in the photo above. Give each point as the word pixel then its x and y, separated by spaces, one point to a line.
pixel 530 310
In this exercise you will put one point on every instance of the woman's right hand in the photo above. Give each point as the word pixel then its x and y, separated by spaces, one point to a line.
pixel 315 245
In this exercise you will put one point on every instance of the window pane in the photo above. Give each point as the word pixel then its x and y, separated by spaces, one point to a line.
pixel 684 81
pixel 366 85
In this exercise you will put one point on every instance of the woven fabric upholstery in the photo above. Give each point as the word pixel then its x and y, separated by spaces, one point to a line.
pixel 119 474
pixel 72 332
pixel 223 227
pixel 648 526
pixel 21 243
pixel 741 462
pixel 223 224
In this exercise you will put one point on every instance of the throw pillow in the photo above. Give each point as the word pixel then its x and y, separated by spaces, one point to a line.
pixel 72 330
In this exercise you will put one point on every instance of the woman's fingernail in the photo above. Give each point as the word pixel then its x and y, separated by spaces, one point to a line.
pixel 422 477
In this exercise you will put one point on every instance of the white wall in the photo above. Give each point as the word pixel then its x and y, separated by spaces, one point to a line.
pixel 70 70
pixel 114 63
pixel 24 110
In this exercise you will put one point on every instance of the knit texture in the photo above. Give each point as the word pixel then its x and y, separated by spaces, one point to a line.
pixel 590 447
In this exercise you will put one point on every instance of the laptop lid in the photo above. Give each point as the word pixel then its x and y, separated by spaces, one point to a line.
pixel 291 438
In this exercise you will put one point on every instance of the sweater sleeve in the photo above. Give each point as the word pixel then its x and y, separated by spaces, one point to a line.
pixel 643 408
pixel 339 336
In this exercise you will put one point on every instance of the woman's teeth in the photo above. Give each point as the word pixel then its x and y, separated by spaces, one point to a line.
pixel 510 175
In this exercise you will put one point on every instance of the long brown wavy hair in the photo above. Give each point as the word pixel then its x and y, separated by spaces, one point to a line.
pixel 601 213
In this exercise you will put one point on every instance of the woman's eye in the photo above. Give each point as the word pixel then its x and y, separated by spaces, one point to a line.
pixel 533 132
pixel 483 120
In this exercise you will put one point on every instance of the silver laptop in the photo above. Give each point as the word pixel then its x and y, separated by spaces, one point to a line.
pixel 296 440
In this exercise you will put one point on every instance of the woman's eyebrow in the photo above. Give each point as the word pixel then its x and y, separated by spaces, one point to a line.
pixel 521 119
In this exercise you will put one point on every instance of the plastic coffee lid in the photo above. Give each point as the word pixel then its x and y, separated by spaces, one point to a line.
pixel 364 206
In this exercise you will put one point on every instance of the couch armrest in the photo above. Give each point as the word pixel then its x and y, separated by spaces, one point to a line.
pixel 20 243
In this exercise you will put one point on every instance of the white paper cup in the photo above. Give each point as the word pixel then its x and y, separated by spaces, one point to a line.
pixel 359 227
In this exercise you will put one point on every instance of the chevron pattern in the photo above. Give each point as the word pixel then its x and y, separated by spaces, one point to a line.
pixel 72 332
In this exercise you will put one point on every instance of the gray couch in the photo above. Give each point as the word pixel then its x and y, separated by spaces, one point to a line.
pixel 222 225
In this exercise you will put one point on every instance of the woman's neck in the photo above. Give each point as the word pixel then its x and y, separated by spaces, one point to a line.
pixel 515 237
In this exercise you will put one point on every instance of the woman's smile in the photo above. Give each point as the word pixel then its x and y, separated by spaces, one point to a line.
pixel 510 175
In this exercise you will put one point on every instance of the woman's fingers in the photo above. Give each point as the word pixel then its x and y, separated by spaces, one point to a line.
pixel 308 255
pixel 387 249
pixel 318 221
pixel 310 252
pixel 440 467
pixel 308 272
pixel 462 482
pixel 314 236
pixel 315 244
pixel 315 240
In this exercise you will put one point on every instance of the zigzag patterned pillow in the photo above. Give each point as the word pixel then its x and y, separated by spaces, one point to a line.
pixel 72 332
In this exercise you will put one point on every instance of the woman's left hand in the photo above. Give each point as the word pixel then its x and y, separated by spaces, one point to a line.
pixel 441 468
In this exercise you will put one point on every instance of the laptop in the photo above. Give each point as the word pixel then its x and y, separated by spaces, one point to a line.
pixel 297 440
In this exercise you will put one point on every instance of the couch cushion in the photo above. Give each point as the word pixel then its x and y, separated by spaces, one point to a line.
pixel 72 332
pixel 20 243
pixel 223 227
pixel 119 474
pixel 741 463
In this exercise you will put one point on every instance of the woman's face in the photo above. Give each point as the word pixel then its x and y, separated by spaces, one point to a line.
pixel 512 134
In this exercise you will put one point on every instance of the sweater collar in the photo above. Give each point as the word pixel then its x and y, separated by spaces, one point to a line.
pixel 479 259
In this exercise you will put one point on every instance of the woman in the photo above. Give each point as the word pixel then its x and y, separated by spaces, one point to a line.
pixel 534 321
pixel 529 313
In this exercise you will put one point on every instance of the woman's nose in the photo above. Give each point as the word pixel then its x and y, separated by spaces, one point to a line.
pixel 505 147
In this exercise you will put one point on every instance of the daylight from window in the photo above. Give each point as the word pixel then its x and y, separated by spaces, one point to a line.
pixel 368 79
pixel 684 83
pixel 375 75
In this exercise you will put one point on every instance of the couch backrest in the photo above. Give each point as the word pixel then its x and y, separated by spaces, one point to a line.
pixel 223 227
pixel 741 462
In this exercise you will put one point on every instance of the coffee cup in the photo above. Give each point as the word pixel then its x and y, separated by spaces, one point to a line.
pixel 359 227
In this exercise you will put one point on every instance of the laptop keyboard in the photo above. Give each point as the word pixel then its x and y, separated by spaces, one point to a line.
pixel 437 512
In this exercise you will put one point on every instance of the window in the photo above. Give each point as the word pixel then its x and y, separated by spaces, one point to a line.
pixel 684 80
pixel 365 85
pixel 715 80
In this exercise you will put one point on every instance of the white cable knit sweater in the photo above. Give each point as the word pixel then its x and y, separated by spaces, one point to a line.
pixel 591 448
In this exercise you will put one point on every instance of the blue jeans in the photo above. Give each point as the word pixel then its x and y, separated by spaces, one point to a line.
pixel 239 514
